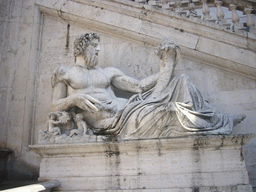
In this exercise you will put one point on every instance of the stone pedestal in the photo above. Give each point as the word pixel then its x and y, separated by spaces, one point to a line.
pixel 198 163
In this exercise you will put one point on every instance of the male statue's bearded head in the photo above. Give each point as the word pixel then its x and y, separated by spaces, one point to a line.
pixel 87 46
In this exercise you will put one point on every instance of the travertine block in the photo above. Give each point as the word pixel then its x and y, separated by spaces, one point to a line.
pixel 226 51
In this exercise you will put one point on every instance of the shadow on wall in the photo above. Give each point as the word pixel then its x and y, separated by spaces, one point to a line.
pixel 4 153
pixel 18 169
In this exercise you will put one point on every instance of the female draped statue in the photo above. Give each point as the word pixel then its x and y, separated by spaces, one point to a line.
pixel 162 105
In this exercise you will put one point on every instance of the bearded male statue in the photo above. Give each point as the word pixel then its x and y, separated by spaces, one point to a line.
pixel 161 106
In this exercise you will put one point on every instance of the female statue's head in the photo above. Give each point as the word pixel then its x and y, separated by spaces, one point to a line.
pixel 87 46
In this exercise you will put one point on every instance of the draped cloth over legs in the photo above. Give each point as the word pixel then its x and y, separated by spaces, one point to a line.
pixel 178 109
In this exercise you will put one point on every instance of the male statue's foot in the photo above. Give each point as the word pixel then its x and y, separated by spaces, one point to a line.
pixel 238 119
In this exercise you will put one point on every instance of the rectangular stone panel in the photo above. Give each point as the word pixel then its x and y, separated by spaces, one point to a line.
pixel 175 163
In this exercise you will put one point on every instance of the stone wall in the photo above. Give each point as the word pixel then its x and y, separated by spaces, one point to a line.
pixel 32 45
pixel 17 71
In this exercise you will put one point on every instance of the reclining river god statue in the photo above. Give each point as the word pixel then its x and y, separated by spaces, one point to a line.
pixel 162 105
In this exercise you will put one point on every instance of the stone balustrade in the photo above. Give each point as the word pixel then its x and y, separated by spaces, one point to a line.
pixel 190 8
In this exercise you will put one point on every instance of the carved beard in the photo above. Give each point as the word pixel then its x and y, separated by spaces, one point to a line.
pixel 91 59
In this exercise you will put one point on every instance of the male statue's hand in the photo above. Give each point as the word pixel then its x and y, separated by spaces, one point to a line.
pixel 86 102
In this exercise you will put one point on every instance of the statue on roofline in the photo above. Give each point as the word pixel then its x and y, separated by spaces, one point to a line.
pixel 162 105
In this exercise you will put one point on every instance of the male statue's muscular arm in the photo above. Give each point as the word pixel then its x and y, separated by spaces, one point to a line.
pixel 62 102
pixel 126 83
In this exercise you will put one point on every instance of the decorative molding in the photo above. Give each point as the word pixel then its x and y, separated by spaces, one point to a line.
pixel 80 149
pixel 173 164
pixel 146 25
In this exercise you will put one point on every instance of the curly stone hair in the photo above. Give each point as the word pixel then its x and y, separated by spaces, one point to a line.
pixel 82 42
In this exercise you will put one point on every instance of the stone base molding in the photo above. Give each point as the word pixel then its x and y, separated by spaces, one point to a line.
pixel 194 163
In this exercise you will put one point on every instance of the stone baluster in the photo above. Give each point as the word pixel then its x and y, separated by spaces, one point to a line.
pixel 220 14
pixel 206 12
pixel 140 1
pixel 154 2
pixel 178 8
pixel 166 4
pixel 235 18
pixel 192 11
pixel 250 21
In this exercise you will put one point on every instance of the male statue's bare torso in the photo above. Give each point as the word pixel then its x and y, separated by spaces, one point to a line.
pixel 96 83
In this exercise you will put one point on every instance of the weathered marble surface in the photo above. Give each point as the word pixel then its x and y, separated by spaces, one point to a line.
pixel 205 163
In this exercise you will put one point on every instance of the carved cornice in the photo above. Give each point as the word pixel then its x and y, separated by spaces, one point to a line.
pixel 203 142
pixel 201 40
